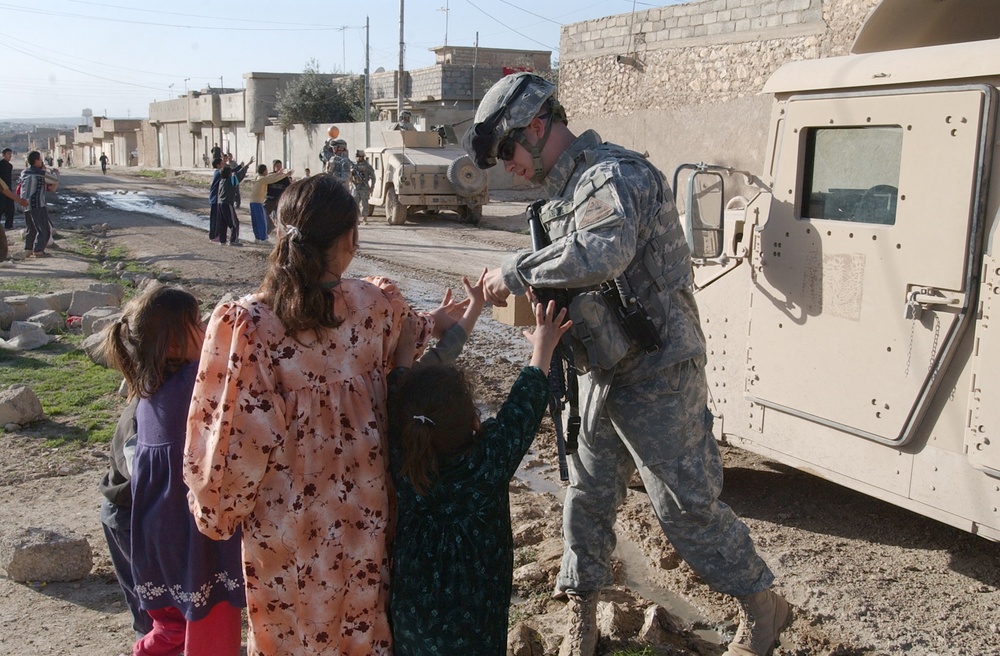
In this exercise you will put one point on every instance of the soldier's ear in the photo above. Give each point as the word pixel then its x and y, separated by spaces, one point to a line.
pixel 535 130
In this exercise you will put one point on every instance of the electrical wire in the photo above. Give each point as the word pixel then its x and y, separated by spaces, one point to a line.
pixel 493 18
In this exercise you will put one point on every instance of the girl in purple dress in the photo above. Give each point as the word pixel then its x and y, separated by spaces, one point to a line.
pixel 191 586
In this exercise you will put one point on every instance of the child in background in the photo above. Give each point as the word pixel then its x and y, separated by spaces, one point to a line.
pixel 453 552
pixel 258 215
pixel 191 586
pixel 228 184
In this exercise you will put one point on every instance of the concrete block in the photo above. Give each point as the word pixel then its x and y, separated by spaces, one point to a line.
pixel 19 405
pixel 58 301
pixel 45 554
pixel 50 321
pixel 94 321
pixel 112 288
pixel 24 306
pixel 85 300
pixel 22 327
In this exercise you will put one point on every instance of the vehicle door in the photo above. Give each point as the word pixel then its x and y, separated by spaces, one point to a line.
pixel 866 267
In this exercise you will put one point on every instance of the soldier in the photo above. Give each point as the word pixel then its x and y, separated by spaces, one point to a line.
pixel 643 398
pixel 405 121
pixel 362 184
pixel 339 166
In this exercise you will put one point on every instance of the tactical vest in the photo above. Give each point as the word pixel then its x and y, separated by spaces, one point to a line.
pixel 662 261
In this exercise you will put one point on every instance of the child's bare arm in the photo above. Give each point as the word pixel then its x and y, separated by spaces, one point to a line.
pixel 549 329
pixel 406 346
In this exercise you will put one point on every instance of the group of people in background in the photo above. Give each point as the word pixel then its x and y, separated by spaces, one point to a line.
pixel 29 192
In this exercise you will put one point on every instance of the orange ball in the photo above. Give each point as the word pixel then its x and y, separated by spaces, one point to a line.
pixel 333 132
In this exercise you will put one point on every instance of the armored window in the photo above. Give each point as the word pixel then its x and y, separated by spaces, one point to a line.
pixel 852 174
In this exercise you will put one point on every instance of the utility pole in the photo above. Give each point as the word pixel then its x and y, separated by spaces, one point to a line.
pixel 475 60
pixel 368 90
pixel 399 74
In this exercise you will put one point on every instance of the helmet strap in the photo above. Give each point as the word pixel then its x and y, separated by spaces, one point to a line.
pixel 536 150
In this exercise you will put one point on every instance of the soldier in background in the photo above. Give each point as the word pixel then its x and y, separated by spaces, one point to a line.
pixel 405 121
pixel 339 166
pixel 362 184
pixel 643 401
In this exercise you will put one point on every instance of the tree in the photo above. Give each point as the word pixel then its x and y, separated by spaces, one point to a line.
pixel 314 97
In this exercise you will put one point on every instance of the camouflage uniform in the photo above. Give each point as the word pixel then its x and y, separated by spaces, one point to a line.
pixel 340 167
pixel 611 213
pixel 362 181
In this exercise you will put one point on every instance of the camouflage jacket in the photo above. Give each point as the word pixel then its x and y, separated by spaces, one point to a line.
pixel 611 213
pixel 340 168
pixel 363 176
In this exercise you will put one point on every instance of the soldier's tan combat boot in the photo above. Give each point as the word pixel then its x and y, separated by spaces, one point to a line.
pixel 581 639
pixel 762 616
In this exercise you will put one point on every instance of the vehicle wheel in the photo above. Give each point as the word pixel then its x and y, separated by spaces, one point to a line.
pixel 395 212
pixel 466 177
pixel 471 214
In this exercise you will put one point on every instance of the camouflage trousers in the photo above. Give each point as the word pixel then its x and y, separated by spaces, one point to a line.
pixel 662 427
pixel 361 195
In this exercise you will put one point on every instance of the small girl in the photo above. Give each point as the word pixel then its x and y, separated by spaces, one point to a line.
pixel 191 586
pixel 453 552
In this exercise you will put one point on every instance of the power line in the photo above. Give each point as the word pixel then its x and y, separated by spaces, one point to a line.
pixel 493 18
pixel 173 13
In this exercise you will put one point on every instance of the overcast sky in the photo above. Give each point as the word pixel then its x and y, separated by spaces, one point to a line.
pixel 60 56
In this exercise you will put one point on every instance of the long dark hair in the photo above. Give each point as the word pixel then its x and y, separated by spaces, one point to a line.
pixel 314 213
pixel 434 414
pixel 138 344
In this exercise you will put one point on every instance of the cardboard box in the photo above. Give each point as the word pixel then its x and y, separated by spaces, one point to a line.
pixel 517 313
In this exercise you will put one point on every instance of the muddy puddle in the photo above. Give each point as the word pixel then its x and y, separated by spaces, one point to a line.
pixel 143 204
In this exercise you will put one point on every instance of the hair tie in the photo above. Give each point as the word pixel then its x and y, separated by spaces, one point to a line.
pixel 293 233
pixel 424 420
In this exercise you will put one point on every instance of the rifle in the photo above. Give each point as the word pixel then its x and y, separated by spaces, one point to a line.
pixel 562 380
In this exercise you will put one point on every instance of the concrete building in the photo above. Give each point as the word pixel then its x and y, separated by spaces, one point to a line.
pixel 117 138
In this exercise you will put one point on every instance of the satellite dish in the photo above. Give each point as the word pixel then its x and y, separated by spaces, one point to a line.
pixel 380 69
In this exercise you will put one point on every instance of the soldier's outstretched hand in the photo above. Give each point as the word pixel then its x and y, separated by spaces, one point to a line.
pixel 496 288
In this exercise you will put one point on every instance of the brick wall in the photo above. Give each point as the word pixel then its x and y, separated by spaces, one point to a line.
pixel 689 93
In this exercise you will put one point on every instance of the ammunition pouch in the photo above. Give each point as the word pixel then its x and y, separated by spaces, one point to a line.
pixel 599 340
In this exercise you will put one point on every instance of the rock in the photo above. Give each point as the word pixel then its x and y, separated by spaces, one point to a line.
pixel 529 533
pixel 19 405
pixel 617 621
pixel 93 346
pixel 523 640
pixel 23 327
pixel 168 276
pixel 25 306
pixel 58 301
pixel 50 321
pixel 111 288
pixel 6 315
pixel 95 320
pixel 527 578
pixel 28 340
pixel 657 624
pixel 45 554
pixel 12 427
pixel 86 300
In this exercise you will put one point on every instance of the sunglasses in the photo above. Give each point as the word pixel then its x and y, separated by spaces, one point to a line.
pixel 505 149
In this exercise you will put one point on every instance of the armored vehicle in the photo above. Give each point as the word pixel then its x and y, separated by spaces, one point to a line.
pixel 415 171
pixel 847 301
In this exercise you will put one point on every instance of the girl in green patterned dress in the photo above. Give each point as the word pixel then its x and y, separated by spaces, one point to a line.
pixel 453 552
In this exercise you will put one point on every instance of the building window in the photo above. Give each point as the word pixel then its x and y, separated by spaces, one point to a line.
pixel 852 174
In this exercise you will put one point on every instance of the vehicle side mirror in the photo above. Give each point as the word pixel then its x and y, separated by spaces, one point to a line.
pixel 704 213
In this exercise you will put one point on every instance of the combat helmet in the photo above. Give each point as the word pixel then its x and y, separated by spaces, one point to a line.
pixel 511 104
pixel 337 144
pixel 359 153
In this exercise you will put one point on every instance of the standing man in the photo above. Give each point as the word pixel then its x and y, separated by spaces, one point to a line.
pixel 339 165
pixel 213 199
pixel 6 174
pixel 405 121
pixel 12 197
pixel 643 401
pixel 104 164
pixel 362 184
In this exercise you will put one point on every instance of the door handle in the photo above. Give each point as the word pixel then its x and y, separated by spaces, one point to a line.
pixel 918 300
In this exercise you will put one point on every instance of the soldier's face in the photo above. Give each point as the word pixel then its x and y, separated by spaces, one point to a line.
pixel 520 163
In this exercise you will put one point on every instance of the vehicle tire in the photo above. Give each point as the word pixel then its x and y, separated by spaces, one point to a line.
pixel 395 212
pixel 466 177
pixel 471 214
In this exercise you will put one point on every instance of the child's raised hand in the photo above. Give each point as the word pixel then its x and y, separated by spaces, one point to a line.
pixel 549 329
pixel 476 300
pixel 447 314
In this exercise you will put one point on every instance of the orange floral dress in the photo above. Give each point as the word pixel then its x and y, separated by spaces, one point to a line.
pixel 286 438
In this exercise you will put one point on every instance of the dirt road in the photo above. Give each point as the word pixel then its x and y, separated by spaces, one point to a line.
pixel 864 577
